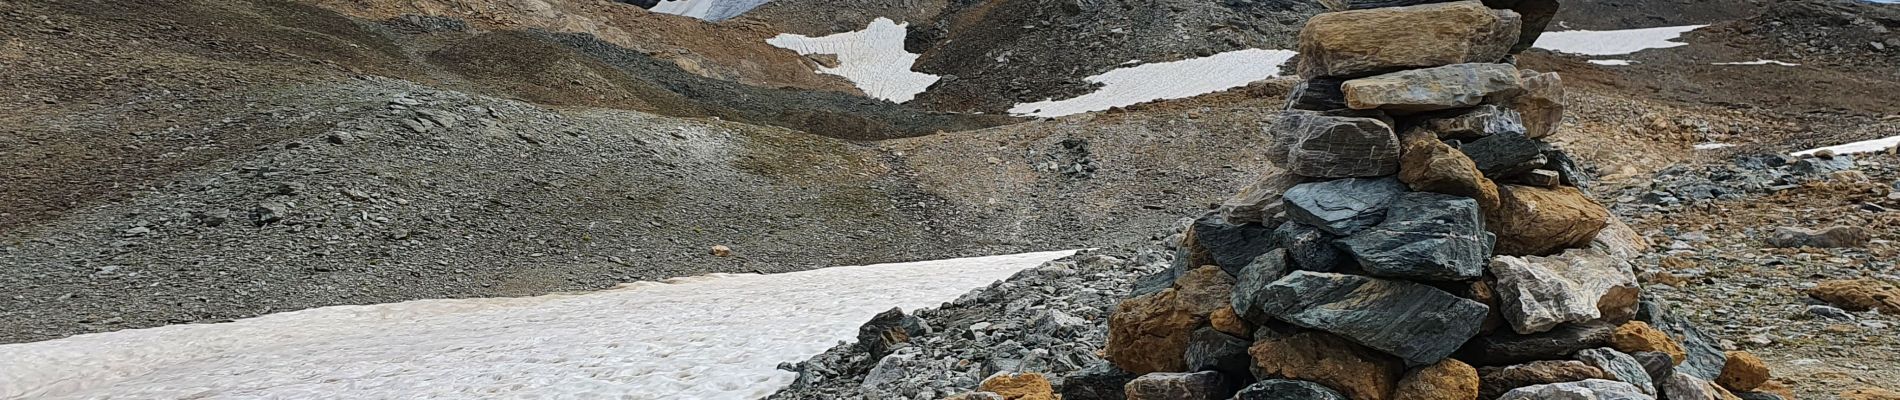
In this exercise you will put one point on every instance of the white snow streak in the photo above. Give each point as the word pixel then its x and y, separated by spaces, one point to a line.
pixel 710 10
pixel 713 337
pixel 1617 63
pixel 1760 62
pixel 874 59
pixel 1607 43
pixel 1864 146
pixel 1166 80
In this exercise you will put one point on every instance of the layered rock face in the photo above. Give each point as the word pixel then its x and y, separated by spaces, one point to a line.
pixel 1416 239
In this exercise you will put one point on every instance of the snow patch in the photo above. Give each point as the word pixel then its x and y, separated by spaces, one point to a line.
pixel 712 337
pixel 874 59
pixel 1760 62
pixel 1166 80
pixel 1608 43
pixel 1864 146
pixel 710 10
pixel 1612 62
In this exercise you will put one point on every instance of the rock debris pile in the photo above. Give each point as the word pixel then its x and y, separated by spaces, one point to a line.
pixel 1417 239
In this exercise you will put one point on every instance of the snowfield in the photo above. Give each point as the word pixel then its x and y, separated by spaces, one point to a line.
pixel 1864 146
pixel 712 337
pixel 710 10
pixel 1166 80
pixel 1609 43
pixel 874 59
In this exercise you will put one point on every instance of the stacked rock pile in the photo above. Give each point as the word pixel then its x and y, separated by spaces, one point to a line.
pixel 1417 239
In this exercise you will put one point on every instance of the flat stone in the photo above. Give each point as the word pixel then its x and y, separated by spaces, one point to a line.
pixel 1342 206
pixel 1859 295
pixel 1309 248
pixel 1260 201
pixel 1499 380
pixel 1449 379
pixel 1316 145
pixel 1657 364
pixel 1206 385
pixel 1541 105
pixel 1832 237
pixel 1682 386
pixel 1541 221
pixel 1230 245
pixel 1317 94
pixel 1417 323
pixel 1372 41
pixel 1477 122
pixel 1702 358
pixel 1433 89
pixel 1506 348
pixel 1283 389
pixel 1623 366
pixel 1211 350
pixel 1343 5
pixel 1356 371
pixel 1505 155
pixel 1430 165
pixel 1588 389
pixel 1425 236
pixel 1537 293
pixel 1025 386
pixel 1250 286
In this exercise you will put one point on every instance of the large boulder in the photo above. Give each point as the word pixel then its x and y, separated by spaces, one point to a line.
pixel 1743 372
pixel 1283 389
pixel 1859 295
pixel 1430 165
pixel 1372 41
pixel 1150 333
pixel 1505 155
pixel 1309 248
pixel 1358 372
pixel 1621 365
pixel 1205 385
pixel 1477 122
pixel 1498 380
pixel 1227 244
pixel 1317 94
pixel 1537 293
pixel 1317 145
pixel 1259 201
pixel 1417 323
pixel 1588 389
pixel 1447 380
pixel 1838 236
pixel 1542 104
pixel 1425 236
pixel 1342 206
pixel 1250 286
pixel 1540 221
pixel 1433 89
pixel 1506 348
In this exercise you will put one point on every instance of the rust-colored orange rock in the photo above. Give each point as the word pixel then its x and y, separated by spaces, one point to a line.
pixel 1024 386
pixel 1447 380
pixel 1205 290
pixel 1535 221
pixel 1778 388
pixel 1228 322
pixel 1427 164
pixel 1742 372
pixel 1636 336
pixel 1859 295
pixel 1356 371
pixel 1870 393
pixel 1150 333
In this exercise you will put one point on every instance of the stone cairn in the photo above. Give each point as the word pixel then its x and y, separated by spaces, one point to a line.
pixel 1416 239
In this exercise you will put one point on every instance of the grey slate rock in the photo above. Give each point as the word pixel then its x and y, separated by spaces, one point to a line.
pixel 1417 323
pixel 1283 389
pixel 1317 94
pixel 1343 5
pixel 1475 123
pixel 1588 389
pixel 1231 245
pixel 1705 360
pixel 1507 348
pixel 1623 366
pixel 1211 350
pixel 1556 159
pixel 1425 236
pixel 1657 364
pixel 1101 381
pixel 1163 279
pixel 1314 145
pixel 1342 206
pixel 888 329
pixel 1502 155
pixel 1252 283
pixel 1823 166
pixel 1309 248
pixel 1830 312
pixel 1205 385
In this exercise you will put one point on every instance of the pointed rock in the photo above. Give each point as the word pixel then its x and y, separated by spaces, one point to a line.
pixel 1342 206
pixel 1540 221
pixel 1425 236
pixel 1497 381
pixel 1417 323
